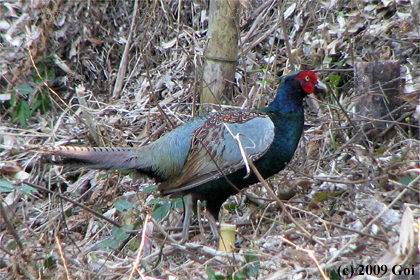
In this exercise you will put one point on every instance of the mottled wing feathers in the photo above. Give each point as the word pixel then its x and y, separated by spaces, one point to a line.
pixel 214 152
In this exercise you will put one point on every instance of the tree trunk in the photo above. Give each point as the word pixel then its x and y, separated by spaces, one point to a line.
pixel 221 55
pixel 377 86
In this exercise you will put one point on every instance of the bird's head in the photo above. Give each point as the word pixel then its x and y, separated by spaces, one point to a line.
pixel 294 87
pixel 309 82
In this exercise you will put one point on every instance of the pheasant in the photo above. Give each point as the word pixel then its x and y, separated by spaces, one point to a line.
pixel 203 159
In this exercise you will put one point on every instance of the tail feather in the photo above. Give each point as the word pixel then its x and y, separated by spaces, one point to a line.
pixel 95 157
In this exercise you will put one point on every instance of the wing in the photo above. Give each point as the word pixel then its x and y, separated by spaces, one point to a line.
pixel 214 151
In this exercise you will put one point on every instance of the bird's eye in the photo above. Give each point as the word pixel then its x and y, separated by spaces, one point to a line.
pixel 307 78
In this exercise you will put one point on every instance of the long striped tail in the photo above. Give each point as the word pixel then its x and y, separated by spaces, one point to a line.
pixel 95 157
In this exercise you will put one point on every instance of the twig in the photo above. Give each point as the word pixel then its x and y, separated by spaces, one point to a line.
pixel 10 227
pixel 63 257
pixel 337 225
pixel 310 254
pixel 338 254
pixel 282 5
pixel 90 121
pixel 140 249
pixel 75 203
pixel 123 64
pixel 279 202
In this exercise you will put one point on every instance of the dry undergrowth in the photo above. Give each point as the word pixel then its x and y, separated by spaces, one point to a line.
pixel 354 199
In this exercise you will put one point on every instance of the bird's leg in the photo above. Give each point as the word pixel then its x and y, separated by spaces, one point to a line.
pixel 213 225
pixel 188 208
pixel 200 222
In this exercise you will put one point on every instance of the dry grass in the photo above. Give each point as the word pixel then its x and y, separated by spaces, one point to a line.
pixel 355 199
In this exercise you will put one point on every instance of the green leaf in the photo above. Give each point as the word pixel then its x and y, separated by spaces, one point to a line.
pixel 22 112
pixel 333 274
pixel 93 257
pixel 126 172
pixel 42 102
pixel 231 207
pixel 157 200
pixel 48 262
pixel 69 212
pixel 150 189
pixel 133 244
pixel 177 202
pixel 334 80
pixel 6 186
pixel 50 74
pixel 36 105
pixel 118 236
pixel 27 190
pixel 160 211
pixel 25 89
pixel 239 276
pixel 123 205
pixel 251 258
pixel 333 139
pixel 406 180
pixel 103 176
pixel 109 244
pixel 253 265
pixel 13 99
pixel 41 68
pixel 211 275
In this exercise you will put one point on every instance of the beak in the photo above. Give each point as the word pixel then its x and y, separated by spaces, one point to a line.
pixel 320 87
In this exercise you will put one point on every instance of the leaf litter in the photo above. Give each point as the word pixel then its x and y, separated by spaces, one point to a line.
pixel 357 198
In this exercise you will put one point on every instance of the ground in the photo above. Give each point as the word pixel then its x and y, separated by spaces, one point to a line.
pixel 351 198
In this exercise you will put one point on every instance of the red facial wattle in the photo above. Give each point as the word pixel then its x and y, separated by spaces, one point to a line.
pixel 307 80
pixel 308 87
